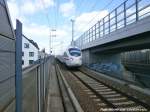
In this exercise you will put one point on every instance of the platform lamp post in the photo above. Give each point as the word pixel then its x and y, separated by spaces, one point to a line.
pixel 51 35
pixel 72 21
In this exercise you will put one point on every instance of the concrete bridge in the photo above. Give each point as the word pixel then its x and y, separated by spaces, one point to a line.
pixel 126 28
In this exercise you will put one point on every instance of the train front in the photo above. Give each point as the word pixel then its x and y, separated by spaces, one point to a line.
pixel 74 57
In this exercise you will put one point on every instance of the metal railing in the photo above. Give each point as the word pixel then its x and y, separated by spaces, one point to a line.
pixel 35 86
pixel 35 81
pixel 130 11
pixel 19 91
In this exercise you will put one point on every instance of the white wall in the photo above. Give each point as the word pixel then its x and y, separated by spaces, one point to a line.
pixel 26 51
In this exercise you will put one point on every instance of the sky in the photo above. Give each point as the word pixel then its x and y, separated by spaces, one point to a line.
pixel 39 17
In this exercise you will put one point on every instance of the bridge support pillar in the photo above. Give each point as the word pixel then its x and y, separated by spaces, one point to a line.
pixel 88 58
pixel 105 63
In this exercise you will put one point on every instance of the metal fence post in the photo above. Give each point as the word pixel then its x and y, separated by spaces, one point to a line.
pixel 82 40
pixel 103 27
pixel 109 23
pixel 43 80
pixel 38 89
pixel 92 33
pixel 125 19
pixel 99 31
pixel 116 18
pixel 136 4
pixel 89 35
pixel 18 66
pixel 44 76
pixel 95 31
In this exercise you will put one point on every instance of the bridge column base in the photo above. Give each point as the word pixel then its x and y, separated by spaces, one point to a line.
pixel 106 63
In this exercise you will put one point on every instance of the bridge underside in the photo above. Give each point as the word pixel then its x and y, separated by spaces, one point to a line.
pixel 136 42
pixel 107 57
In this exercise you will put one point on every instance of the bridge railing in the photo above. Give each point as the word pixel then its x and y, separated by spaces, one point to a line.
pixel 130 11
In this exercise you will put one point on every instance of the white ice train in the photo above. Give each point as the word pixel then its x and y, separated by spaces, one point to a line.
pixel 72 57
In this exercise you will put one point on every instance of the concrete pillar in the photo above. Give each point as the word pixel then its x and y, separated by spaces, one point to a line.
pixel 106 63
pixel 86 57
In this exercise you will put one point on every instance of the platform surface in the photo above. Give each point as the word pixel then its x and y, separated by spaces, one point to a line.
pixel 54 103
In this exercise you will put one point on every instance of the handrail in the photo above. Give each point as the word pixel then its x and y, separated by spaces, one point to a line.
pixel 115 20
pixel 32 67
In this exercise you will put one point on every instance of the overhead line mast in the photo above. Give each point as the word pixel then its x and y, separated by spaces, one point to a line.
pixel 72 42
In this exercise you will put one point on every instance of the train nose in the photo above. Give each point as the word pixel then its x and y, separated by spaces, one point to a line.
pixel 77 61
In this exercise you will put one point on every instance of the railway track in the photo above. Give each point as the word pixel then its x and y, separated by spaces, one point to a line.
pixel 109 96
pixel 70 103
pixel 106 97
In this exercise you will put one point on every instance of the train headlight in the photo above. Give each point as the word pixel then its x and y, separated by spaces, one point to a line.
pixel 71 59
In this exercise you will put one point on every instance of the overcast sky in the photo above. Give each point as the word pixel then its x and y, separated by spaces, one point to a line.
pixel 34 15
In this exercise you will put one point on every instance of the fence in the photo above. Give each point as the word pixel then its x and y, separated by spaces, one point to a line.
pixel 7 59
pixel 130 11
pixel 35 86
pixel 20 91
pixel 34 89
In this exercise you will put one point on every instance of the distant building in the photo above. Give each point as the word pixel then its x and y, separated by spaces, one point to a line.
pixel 42 54
pixel 30 51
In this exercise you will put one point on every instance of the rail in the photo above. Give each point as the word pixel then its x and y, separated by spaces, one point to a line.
pixel 100 89
pixel 75 103
pixel 130 11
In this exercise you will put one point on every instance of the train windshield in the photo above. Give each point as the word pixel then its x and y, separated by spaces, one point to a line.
pixel 75 52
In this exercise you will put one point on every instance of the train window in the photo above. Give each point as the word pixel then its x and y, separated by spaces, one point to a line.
pixel 75 52
pixel 74 49
pixel 65 54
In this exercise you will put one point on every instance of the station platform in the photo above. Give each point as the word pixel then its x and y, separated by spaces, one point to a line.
pixel 54 103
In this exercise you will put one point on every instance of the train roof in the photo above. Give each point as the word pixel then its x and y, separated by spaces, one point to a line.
pixel 73 47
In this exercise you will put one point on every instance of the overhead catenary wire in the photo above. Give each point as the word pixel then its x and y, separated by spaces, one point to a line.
pixel 94 5
pixel 56 18
pixel 48 20
pixel 81 7
pixel 54 12
pixel 57 12
pixel 95 16
pixel 82 3
pixel 101 9
pixel 46 14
